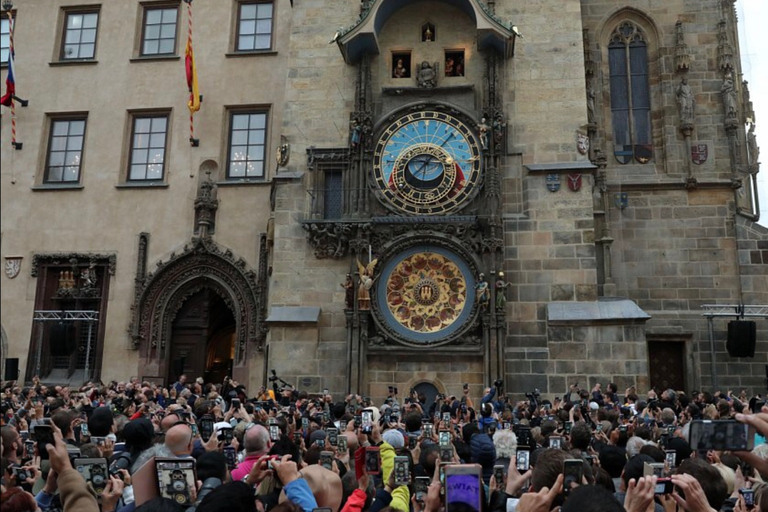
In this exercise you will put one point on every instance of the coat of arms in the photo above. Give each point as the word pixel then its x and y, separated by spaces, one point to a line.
pixel 621 200
pixel 574 181
pixel 582 144
pixel 12 266
pixel 553 182
pixel 699 153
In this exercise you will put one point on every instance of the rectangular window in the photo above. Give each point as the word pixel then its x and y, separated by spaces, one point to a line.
pixel 332 199
pixel 254 26
pixel 247 140
pixel 401 64
pixel 5 40
pixel 65 151
pixel 159 33
pixel 454 63
pixel 80 35
pixel 148 140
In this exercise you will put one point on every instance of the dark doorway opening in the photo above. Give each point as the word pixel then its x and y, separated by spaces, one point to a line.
pixel 429 390
pixel 666 363
pixel 202 338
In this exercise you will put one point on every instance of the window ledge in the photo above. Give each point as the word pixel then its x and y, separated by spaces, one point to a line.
pixel 243 181
pixel 73 62
pixel 153 58
pixel 46 187
pixel 141 184
pixel 253 53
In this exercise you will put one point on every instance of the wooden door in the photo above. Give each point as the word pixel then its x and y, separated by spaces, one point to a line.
pixel 667 365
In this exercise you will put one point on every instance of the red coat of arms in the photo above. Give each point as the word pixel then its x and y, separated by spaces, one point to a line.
pixel 699 153
pixel 574 181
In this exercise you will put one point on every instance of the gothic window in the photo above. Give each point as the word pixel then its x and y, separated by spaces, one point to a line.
pixel 332 198
pixel 630 96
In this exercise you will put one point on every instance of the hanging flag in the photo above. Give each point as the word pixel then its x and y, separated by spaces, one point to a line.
pixel 194 90
pixel 10 81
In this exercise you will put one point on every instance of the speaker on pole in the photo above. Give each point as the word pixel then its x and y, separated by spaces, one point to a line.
pixel 11 370
pixel 742 336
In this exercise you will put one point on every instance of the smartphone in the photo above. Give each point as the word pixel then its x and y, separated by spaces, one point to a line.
pixel 342 425
pixel 367 421
pixel 749 496
pixel 573 471
pixel 195 430
pixel 623 428
pixel 30 447
pixel 372 460
pixel 271 420
pixel 176 478
pixel 95 472
pixel 84 432
pixel 556 442
pixel 653 468
pixel 721 435
pixel 44 437
pixel 663 440
pixel 226 435
pixel 402 473
pixel 235 403
pixel 342 444
pixel 670 459
pixel 524 435
pixel 320 443
pixel 567 427
pixel 325 391
pixel 523 460
pixel 446 417
pixel 333 436
pixel 326 460
pixel 506 425
pixel 358 421
pixel 205 424
pixel 463 488
pixel 444 438
pixel 25 434
pixel 429 429
pixel 420 487
pixel 663 486
pixel 599 427
pixel 465 386
pixel 297 438
pixel 305 423
pixel 230 455
pixel 326 417
pixel 498 474
pixel 412 441
pixel 274 433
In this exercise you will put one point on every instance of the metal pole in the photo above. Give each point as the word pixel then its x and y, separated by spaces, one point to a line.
pixel 712 352
pixel 88 352
pixel 39 354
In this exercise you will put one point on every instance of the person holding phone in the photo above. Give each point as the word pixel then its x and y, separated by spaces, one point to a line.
pixel 256 443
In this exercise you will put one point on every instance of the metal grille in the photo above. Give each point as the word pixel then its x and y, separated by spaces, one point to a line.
pixel 82 346
pixel 333 205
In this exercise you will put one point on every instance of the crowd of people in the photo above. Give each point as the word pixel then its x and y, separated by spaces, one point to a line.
pixel 213 447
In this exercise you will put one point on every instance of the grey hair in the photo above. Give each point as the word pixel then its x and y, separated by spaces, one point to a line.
pixel 634 445
pixel 505 442
pixel 157 450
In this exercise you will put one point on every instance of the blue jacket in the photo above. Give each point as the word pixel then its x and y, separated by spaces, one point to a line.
pixel 483 453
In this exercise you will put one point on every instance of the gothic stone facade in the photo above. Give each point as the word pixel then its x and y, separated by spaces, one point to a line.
pixel 605 167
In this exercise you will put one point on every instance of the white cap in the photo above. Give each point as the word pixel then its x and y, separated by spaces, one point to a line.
pixel 593 406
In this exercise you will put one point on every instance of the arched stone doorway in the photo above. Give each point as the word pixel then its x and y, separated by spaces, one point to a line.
pixel 160 296
pixel 202 338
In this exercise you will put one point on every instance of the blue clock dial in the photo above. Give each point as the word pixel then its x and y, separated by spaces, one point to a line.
pixel 427 163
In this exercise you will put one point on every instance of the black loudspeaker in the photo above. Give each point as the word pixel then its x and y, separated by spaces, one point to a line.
pixel 62 340
pixel 742 335
pixel 11 369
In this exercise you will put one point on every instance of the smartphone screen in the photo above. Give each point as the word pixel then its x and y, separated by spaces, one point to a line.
pixel 342 444
pixel 333 436
pixel 44 437
pixel 555 442
pixel 231 456
pixel 567 427
pixel 720 435
pixel 326 460
pixel 206 428
pixel 367 421
pixel 235 403
pixel 274 433
pixel 175 480
pixel 428 429
pixel 670 459
pixel 444 438
pixel 94 472
pixel 420 486
pixel 446 417
pixel 523 460
pixel 573 470
pixel 463 485
pixel 372 461
pixel 498 473
pixel 402 473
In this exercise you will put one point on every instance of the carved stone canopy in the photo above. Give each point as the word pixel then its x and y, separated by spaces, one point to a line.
pixel 362 37
pixel 202 264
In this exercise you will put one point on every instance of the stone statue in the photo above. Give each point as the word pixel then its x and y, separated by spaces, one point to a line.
pixel 752 147
pixel 501 293
pixel 482 292
pixel 427 76
pixel 498 129
pixel 483 128
pixel 685 102
pixel 591 104
pixel 349 292
pixel 366 283
pixel 400 70
pixel 354 132
pixel 728 92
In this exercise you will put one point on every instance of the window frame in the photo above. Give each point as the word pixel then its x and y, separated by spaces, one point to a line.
pixel 134 117
pixel 47 168
pixel 238 19
pixel 263 110
pixel 142 35
pixel 91 9
pixel 4 19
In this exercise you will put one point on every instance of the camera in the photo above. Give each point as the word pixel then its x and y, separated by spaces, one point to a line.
pixel 20 473
pixel 499 383
pixel 273 377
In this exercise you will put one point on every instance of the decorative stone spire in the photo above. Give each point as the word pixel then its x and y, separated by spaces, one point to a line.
pixel 682 55
pixel 724 49
pixel 205 206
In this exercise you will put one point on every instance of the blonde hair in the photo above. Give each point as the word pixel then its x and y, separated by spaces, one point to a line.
pixel 729 476
pixel 710 412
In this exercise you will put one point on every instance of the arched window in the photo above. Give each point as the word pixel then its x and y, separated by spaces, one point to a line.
pixel 630 96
